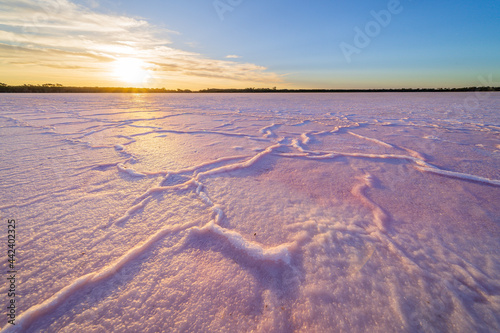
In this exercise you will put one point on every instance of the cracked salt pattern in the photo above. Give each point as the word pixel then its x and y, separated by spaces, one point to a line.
pixel 253 212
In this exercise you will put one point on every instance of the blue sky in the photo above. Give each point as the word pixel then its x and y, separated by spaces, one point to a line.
pixel 288 44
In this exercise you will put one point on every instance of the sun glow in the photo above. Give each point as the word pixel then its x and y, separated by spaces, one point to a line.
pixel 131 70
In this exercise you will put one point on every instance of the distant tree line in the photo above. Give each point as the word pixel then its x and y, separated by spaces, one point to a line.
pixel 273 90
pixel 59 88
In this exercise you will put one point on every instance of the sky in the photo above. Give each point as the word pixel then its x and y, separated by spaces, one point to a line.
pixel 198 44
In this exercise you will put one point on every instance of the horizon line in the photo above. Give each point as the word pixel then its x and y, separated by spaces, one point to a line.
pixel 59 88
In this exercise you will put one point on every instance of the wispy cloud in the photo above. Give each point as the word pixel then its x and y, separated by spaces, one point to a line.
pixel 233 56
pixel 59 34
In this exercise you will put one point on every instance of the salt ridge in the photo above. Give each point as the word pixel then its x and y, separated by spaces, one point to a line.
pixel 382 143
pixel 252 249
pixel 37 311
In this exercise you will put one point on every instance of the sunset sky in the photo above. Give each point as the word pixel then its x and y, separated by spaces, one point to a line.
pixel 199 44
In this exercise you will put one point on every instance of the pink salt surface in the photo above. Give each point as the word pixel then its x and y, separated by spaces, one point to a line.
pixel 263 212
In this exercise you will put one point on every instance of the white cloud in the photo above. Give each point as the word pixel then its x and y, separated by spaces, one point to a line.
pixel 63 34
pixel 233 56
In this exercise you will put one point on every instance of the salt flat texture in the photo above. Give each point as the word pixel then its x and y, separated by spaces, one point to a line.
pixel 253 212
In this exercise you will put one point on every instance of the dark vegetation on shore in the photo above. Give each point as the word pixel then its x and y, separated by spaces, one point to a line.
pixel 58 88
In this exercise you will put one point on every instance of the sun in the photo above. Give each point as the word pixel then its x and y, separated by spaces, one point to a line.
pixel 131 70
